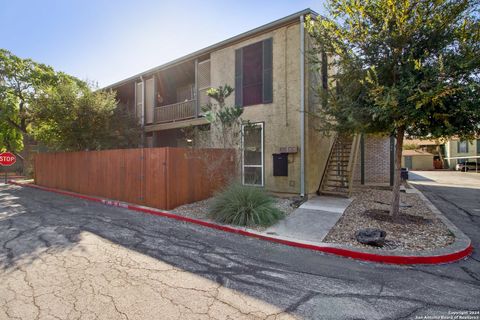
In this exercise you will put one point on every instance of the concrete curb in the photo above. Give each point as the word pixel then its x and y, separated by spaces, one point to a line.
pixel 460 249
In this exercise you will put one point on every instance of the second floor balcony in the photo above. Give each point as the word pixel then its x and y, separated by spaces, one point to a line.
pixel 173 94
pixel 176 111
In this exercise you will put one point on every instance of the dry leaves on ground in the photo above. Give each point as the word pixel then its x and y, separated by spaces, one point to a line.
pixel 417 228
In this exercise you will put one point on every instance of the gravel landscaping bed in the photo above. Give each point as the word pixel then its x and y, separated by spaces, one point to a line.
pixel 417 228
pixel 199 209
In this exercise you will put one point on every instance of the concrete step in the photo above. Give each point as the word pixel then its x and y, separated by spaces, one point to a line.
pixel 336 173
pixel 337 170
pixel 335 187
pixel 334 193
pixel 336 178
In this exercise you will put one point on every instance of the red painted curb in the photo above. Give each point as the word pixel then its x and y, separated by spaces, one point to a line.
pixel 358 255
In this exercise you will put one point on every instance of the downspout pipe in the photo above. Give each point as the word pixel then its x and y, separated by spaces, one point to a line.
pixel 142 163
pixel 143 111
pixel 302 107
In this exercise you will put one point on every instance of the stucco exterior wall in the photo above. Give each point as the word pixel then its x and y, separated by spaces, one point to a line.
pixel 451 148
pixel 281 118
pixel 317 142
pixel 420 162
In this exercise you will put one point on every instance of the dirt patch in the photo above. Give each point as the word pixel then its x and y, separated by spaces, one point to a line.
pixel 416 228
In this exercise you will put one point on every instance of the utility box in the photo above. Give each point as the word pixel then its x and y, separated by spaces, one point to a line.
pixel 280 164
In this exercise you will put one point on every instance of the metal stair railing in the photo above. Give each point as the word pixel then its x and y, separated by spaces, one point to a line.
pixel 329 159
pixel 351 161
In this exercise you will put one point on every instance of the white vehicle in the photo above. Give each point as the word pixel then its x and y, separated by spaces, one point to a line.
pixel 466 166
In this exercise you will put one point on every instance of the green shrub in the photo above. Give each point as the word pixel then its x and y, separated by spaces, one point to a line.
pixel 244 206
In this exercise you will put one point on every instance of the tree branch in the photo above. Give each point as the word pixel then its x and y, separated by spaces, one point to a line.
pixel 15 125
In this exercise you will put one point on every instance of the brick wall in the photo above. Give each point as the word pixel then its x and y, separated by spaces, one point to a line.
pixel 377 161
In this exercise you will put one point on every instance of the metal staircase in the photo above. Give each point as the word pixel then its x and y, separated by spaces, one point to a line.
pixel 337 176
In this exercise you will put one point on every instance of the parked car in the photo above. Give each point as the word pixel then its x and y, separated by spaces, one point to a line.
pixel 466 166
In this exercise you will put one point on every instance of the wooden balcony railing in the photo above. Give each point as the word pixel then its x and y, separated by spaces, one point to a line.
pixel 175 112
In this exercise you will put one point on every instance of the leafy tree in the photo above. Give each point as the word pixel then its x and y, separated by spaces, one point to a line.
pixel 20 81
pixel 223 117
pixel 410 146
pixel 224 129
pixel 402 68
pixel 10 137
pixel 38 104
pixel 70 116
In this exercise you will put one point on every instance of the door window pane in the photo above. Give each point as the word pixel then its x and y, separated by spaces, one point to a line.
pixel 253 154
pixel 252 145
pixel 252 175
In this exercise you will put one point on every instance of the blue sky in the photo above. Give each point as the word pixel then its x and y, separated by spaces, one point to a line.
pixel 107 41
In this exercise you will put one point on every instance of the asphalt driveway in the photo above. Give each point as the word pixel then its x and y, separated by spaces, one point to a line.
pixel 457 195
pixel 65 258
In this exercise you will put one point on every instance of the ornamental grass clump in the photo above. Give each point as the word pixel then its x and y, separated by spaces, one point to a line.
pixel 244 206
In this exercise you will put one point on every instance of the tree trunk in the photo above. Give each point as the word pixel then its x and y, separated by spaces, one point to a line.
pixel 28 154
pixel 395 206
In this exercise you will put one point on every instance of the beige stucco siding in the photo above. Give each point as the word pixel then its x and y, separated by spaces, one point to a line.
pixel 451 148
pixel 317 151
pixel 420 162
pixel 281 118
pixel 317 142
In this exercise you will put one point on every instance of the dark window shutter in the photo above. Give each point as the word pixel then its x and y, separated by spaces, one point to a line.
pixel 267 71
pixel 466 145
pixel 458 146
pixel 324 70
pixel 252 74
pixel 478 146
pixel 239 77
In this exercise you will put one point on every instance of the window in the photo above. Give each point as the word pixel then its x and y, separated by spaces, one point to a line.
pixel 253 74
pixel 252 155
pixel 462 147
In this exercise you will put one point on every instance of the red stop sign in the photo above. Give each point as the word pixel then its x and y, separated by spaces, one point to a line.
pixel 7 159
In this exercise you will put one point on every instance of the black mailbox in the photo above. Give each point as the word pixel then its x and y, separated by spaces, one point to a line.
pixel 280 164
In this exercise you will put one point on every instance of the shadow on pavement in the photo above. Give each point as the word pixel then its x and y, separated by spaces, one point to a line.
pixel 417 176
pixel 461 205
pixel 33 222
pixel 39 222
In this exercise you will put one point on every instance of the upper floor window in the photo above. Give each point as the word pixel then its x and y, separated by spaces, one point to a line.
pixel 462 146
pixel 253 74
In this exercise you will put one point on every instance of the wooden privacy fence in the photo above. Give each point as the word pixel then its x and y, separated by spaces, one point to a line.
pixel 163 178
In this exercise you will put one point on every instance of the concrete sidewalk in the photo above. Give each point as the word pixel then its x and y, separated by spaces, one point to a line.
pixel 312 220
